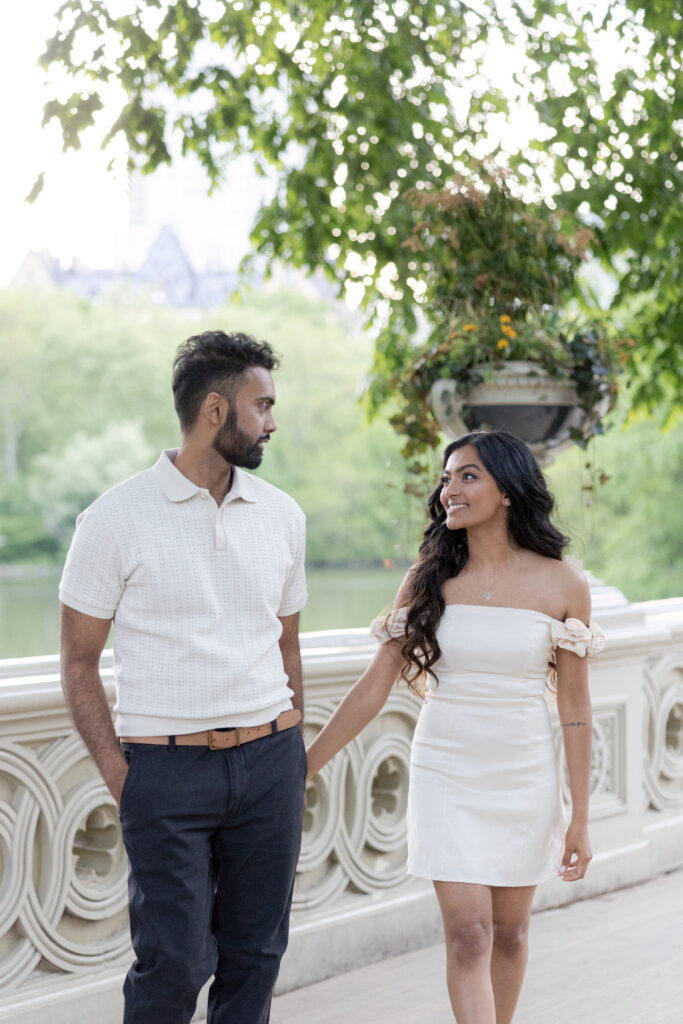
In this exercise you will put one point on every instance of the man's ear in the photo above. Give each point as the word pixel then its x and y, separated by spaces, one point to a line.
pixel 215 408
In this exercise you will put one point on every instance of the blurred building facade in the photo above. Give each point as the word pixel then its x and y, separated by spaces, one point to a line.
pixel 181 243
pixel 165 273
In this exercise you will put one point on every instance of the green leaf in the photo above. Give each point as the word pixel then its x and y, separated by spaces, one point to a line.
pixel 36 188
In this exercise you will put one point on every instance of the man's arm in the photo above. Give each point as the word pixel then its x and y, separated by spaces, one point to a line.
pixel 82 641
pixel 291 659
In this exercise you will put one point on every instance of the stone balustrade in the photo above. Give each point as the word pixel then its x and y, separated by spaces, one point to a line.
pixel 63 922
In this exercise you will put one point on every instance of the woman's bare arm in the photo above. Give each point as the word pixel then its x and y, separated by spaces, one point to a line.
pixel 360 705
pixel 364 700
pixel 574 708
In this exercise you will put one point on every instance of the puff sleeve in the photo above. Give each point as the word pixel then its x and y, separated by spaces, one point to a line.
pixel 572 635
pixel 389 627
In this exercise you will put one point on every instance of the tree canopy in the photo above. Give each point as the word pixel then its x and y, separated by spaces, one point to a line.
pixel 352 103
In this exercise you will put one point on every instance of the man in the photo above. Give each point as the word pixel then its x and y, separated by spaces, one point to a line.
pixel 200 566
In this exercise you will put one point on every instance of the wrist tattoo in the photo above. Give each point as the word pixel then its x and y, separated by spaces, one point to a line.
pixel 565 725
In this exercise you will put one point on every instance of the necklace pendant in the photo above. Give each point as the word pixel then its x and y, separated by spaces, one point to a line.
pixel 487 595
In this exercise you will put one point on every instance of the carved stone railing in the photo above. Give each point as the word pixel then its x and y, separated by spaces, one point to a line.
pixel 63 921
pixel 355 821
pixel 663 719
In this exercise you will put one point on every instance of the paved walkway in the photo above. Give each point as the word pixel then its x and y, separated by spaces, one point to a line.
pixel 614 959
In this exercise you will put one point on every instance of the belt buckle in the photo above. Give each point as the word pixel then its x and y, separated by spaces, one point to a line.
pixel 213 740
pixel 220 740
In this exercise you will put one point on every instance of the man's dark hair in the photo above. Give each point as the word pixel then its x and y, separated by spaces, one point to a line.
pixel 214 361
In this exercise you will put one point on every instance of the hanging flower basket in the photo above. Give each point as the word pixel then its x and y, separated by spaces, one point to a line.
pixel 511 343
pixel 520 397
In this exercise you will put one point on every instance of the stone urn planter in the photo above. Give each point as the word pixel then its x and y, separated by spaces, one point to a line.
pixel 520 397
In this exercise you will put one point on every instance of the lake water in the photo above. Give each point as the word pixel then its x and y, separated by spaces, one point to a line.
pixel 338 599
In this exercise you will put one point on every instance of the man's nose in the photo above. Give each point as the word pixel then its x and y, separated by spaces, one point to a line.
pixel 271 424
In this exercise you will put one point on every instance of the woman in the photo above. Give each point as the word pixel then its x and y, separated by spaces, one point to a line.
pixel 486 618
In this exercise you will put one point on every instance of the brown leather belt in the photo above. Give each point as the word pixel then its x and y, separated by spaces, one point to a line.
pixel 217 739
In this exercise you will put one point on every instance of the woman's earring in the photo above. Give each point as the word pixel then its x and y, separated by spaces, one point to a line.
pixel 506 501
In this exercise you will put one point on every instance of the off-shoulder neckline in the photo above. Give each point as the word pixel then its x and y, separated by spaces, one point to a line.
pixel 503 608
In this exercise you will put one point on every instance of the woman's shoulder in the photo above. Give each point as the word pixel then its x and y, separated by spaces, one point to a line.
pixel 562 581
pixel 571 572
pixel 570 580
pixel 566 571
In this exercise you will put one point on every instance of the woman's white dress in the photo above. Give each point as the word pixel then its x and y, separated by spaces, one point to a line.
pixel 484 802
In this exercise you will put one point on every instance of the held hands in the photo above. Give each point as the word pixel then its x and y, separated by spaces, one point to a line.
pixel 577 853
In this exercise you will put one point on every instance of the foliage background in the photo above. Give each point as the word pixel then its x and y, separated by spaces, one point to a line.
pixel 85 401
pixel 86 390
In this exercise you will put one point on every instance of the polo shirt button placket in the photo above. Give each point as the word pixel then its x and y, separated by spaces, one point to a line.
pixel 221 540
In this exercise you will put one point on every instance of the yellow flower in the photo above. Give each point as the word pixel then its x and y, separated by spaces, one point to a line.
pixel 508 331
pixel 503 343
pixel 505 319
pixel 470 327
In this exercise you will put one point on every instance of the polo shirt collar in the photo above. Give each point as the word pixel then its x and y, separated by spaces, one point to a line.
pixel 242 487
pixel 176 486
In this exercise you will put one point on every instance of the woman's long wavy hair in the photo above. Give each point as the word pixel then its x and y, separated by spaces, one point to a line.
pixel 443 552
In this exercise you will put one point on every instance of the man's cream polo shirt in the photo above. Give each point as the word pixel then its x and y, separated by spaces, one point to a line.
pixel 196 593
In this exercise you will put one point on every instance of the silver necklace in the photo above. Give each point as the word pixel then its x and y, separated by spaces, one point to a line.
pixel 488 591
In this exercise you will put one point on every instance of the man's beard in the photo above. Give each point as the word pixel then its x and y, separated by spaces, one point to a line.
pixel 235 446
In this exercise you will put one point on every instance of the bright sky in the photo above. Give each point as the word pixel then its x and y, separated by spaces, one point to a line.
pixel 82 211
pixel 82 207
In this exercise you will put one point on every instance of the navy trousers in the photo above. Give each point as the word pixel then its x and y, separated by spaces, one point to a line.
pixel 213 839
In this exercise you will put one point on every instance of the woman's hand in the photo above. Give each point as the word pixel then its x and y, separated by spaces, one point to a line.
pixel 577 845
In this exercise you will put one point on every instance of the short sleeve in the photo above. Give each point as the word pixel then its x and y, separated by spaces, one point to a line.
pixel 389 627
pixel 93 578
pixel 575 636
pixel 294 592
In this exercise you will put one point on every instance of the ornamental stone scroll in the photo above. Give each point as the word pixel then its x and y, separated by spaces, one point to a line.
pixel 63 868
pixel 355 822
